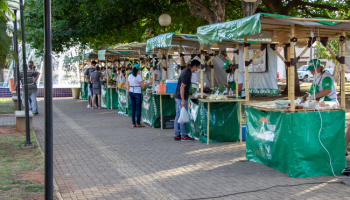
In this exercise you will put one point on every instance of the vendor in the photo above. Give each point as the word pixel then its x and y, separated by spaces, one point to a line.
pixel 122 78
pixel 323 82
pixel 231 83
pixel 157 73
pixel 114 74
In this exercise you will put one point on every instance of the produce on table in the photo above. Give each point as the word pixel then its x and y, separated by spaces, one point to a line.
pixel 221 88
pixel 217 97
pixel 192 91
pixel 207 90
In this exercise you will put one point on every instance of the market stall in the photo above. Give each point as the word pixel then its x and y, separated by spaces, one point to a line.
pixel 163 109
pixel 292 140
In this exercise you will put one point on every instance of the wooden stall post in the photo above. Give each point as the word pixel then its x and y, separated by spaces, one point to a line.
pixel 246 75
pixel 202 84
pixel 291 70
pixel 342 75
pixel 166 64
pixel 153 74
pixel 237 95
pixel 140 63
pixel 212 71
pixel 180 50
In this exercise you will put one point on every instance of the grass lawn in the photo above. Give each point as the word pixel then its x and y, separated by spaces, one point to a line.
pixel 6 106
pixel 22 170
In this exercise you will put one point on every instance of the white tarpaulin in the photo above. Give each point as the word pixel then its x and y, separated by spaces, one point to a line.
pixel 262 82
pixel 347 55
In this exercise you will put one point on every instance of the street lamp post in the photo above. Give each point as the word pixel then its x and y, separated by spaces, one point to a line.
pixel 48 102
pixel 25 80
pixel 164 20
pixel 18 78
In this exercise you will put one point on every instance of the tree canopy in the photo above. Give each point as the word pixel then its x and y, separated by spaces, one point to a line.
pixel 101 23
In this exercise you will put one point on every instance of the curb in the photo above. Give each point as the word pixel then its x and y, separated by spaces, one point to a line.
pixel 7 115
pixel 57 189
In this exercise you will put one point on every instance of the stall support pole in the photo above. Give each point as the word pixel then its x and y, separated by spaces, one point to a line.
pixel 161 112
pixel 140 63
pixel 288 70
pixel 153 76
pixel 208 122
pixel 246 75
pixel 202 84
pixel 118 65
pixel 180 50
pixel 240 120
pixel 342 79
pixel 166 65
pixel 212 73
pixel 237 71
pixel 291 71
pixel 111 97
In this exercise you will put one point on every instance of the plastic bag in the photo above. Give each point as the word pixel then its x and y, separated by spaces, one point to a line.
pixel 184 116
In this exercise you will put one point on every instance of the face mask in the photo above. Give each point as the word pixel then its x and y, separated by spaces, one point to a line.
pixel 228 70
pixel 123 71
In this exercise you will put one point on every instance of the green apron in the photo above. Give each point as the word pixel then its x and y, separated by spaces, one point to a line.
pixel 232 86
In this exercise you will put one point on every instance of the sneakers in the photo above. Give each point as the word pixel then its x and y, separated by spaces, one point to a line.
pixel 177 138
pixel 88 106
pixel 139 126
pixel 187 138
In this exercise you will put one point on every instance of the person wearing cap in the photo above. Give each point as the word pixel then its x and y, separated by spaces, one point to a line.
pixel 114 74
pixel 135 85
pixel 323 86
pixel 231 83
pixel 157 73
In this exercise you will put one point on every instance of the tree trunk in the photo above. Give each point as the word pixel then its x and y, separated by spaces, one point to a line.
pixel 2 67
pixel 245 7
pixel 212 15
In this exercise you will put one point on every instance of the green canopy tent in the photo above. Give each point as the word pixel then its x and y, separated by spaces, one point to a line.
pixel 289 141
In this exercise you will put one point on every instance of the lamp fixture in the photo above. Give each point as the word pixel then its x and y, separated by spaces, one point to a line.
pixel 164 20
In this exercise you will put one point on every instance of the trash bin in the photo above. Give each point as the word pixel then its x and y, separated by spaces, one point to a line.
pixel 75 93
pixel 11 86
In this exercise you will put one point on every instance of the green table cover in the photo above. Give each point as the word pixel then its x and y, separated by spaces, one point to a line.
pixel 151 108
pixel 107 98
pixel 223 125
pixel 289 142
pixel 83 91
pixel 122 107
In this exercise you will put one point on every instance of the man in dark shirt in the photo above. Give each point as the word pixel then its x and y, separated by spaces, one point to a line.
pixel 181 98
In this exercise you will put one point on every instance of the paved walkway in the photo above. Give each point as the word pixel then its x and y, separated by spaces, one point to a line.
pixel 97 155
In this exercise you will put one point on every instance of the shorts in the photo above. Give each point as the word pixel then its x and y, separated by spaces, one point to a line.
pixel 89 89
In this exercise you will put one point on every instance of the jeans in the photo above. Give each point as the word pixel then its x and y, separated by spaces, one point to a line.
pixel 32 99
pixel 135 99
pixel 178 126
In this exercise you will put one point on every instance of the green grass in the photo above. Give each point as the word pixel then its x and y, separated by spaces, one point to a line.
pixel 15 161
pixel 6 106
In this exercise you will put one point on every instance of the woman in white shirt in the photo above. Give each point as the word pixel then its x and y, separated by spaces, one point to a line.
pixel 135 85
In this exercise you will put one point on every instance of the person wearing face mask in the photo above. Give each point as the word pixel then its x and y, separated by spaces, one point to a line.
pixel 323 82
pixel 194 76
pixel 231 83
pixel 157 73
pixel 122 78
pixel 114 74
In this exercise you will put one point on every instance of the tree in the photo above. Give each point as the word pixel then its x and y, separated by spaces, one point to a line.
pixel 5 39
pixel 101 23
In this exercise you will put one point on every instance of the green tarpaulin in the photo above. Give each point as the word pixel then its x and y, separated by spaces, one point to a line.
pixel 160 41
pixel 289 142
pixel 122 107
pixel 151 108
pixel 251 25
pixel 106 98
pixel 223 122
pixel 83 91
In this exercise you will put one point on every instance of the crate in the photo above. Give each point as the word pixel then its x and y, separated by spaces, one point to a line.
pixel 168 122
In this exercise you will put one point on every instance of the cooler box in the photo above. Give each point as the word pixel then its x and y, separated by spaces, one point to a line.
pixel 170 86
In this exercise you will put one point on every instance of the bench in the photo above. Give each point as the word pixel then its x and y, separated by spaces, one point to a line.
pixel 15 104
pixel 21 120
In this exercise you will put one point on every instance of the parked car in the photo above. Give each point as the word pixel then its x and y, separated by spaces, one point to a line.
pixel 347 75
pixel 304 74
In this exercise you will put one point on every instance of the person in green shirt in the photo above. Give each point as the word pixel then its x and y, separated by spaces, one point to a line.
pixel 231 80
pixel 323 86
